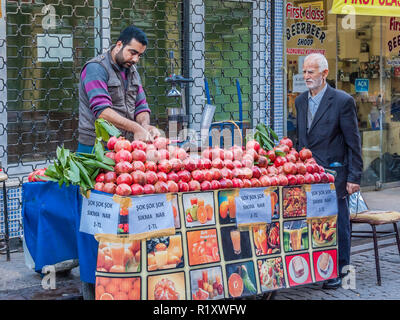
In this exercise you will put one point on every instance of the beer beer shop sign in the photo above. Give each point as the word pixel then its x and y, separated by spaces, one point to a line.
pixel 311 17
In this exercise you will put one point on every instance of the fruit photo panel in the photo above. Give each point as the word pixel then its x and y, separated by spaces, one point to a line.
pixel 169 286
pixel 207 284
pixel 295 235
pixel 272 274
pixel 112 288
pixel 235 243
pixel 164 253
pixel 198 209
pixel 294 202
pixel 275 204
pixel 323 232
pixel 118 255
pixel 298 269
pixel 202 246
pixel 325 265
pixel 267 239
pixel 241 279
pixel 227 206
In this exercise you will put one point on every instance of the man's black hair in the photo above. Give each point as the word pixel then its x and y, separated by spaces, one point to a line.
pixel 130 33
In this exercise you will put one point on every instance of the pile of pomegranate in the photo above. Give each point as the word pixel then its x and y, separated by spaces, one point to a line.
pixel 158 167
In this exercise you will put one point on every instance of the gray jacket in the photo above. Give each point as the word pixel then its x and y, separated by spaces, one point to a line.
pixel 123 100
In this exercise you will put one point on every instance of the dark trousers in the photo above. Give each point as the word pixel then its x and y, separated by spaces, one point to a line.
pixel 343 233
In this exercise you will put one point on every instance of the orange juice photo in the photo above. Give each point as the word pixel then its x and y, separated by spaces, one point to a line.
pixel 235 237
pixel 203 246
pixel 164 252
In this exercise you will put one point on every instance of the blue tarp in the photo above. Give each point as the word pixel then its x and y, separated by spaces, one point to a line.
pixel 51 219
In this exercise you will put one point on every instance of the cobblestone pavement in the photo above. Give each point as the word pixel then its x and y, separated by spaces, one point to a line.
pixel 365 288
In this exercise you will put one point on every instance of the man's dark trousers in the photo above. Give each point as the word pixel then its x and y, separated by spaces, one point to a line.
pixel 343 233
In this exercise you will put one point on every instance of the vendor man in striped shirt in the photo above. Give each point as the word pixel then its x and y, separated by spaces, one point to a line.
pixel 110 88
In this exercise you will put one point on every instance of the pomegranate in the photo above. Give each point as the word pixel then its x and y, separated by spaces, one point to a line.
pixel 237 183
pixel 149 189
pixel 324 177
pixel 208 175
pixel 262 152
pixel 206 153
pixel 253 144
pixel 265 181
pixel 309 178
pixel 317 177
pixel 161 187
pixel 162 176
pixel 110 155
pixel 123 155
pixel 331 178
pixel 139 177
pixel 217 163
pixel 153 155
pixel 226 183
pixel 173 176
pixel 291 158
pixel 228 164
pixel 123 167
pixel 216 153
pixel 110 176
pixel 151 177
pixel 256 172
pixel 251 153
pixel 282 180
pixel 138 165
pixel 215 185
pixel 163 154
pixel 255 183
pixel 110 187
pixel 183 186
pixel 271 155
pixel 248 163
pixel 301 168
pixel 272 170
pixel 198 175
pixel 279 161
pixel 99 186
pixel 123 190
pixel 189 164
pixel 207 164
pixel 305 154
pixel 137 189
pixel 161 143
pixel 172 186
pixel 139 155
pixel 122 144
pixel 226 173
pixel 292 180
pixel 228 155
pixel 216 173
pixel 140 145
pixel 164 166
pixel 286 141
pixel 300 179
pixel 184 175
pixel 124 178
pixel 262 162
pixel 247 173
pixel 100 177
pixel 111 142
pixel 194 185
pixel 205 185
pixel 283 148
pixel 246 183
pixel 274 180
pixel 310 168
pixel 237 153
pixel 237 172
pixel 150 166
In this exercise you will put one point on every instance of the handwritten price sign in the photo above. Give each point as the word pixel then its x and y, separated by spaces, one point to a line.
pixel 321 200
pixel 99 214
pixel 253 206
pixel 151 215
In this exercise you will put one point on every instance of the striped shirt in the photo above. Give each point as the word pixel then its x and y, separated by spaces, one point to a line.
pixel 95 78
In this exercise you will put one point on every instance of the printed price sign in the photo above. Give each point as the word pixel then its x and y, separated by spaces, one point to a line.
pixel 99 214
pixel 321 200
pixel 151 216
pixel 253 206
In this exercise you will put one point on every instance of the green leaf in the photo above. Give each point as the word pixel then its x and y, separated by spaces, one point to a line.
pixel 84 175
pixel 94 174
pixel 280 153
pixel 46 178
pixel 99 150
pixel 97 164
pixel 52 172
pixel 109 161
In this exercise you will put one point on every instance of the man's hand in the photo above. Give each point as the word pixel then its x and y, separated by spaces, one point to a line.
pixel 154 132
pixel 352 187
pixel 142 134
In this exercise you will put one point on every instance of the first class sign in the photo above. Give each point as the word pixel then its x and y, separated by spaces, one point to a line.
pixel 388 8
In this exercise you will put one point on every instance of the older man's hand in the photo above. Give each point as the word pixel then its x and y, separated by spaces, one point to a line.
pixel 352 187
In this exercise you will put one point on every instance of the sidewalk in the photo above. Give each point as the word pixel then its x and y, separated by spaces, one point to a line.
pixel 18 282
